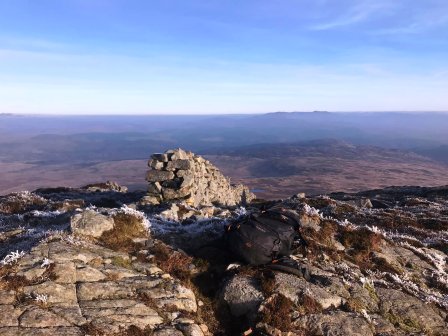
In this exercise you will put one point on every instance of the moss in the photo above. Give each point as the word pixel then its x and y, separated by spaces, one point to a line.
pixel 372 292
pixel 122 262
pixel 405 324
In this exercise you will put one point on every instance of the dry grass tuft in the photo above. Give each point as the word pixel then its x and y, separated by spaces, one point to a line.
pixel 173 262
pixel 360 243
pixel 126 228
pixel 308 305
pixel 277 312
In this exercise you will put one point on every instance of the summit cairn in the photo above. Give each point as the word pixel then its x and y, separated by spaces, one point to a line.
pixel 180 175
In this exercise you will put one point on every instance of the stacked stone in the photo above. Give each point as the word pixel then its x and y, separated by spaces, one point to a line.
pixel 180 175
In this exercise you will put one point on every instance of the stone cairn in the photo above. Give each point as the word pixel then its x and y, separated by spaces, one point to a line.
pixel 180 175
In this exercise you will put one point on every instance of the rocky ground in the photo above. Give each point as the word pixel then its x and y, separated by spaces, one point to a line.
pixel 98 261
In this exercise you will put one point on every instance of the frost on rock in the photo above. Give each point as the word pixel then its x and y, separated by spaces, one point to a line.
pixel 46 262
pixel 310 211
pixel 12 257
pixel 132 212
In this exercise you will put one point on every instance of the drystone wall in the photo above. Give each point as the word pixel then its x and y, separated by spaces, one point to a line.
pixel 180 175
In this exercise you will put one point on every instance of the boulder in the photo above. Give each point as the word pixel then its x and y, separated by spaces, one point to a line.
pixel 242 296
pixel 90 223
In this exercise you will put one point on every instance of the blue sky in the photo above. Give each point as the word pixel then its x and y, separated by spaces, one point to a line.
pixel 169 56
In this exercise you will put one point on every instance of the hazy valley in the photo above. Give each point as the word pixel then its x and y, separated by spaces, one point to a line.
pixel 276 154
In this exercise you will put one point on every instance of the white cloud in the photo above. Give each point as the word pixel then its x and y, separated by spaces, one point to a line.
pixel 357 13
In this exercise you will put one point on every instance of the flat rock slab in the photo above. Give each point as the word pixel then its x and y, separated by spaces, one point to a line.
pixel 9 315
pixel 335 324
pixel 58 331
pixel 409 313
pixel 294 287
pixel 86 287
pixel 35 317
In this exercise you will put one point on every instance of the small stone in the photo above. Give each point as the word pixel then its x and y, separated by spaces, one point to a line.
pixel 155 188
pixel 159 175
pixel 171 194
pixel 178 164
pixel 160 157
pixel 155 164
pixel 179 154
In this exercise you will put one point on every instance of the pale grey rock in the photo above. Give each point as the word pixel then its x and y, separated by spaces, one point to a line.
pixel 7 297
pixel 65 272
pixel 168 331
pixel 411 312
pixel 190 329
pixel 179 164
pixel 32 273
pixel 91 223
pixel 159 175
pixel 52 331
pixel 155 164
pixel 56 293
pixel 154 188
pixel 172 194
pixel 9 315
pixel 242 296
pixel 161 157
pixel 179 154
pixel 201 183
pixel 35 317
pixel 72 314
pixel 86 273
pixel 335 324
pixel 103 290
pixel 294 288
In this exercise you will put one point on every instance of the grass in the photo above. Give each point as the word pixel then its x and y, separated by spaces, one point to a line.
pixel 355 305
pixel 359 244
pixel 126 228
pixel 277 312
pixel 173 262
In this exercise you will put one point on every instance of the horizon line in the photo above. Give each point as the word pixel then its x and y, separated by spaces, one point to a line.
pixel 213 114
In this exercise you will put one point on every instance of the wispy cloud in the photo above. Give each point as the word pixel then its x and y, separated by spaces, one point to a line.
pixel 419 23
pixel 358 13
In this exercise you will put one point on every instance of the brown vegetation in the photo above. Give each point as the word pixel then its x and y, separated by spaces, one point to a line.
pixel 276 312
pixel 173 262
pixel 126 228
pixel 359 244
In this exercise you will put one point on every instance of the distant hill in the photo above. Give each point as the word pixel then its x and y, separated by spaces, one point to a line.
pixel 322 166
pixel 309 151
